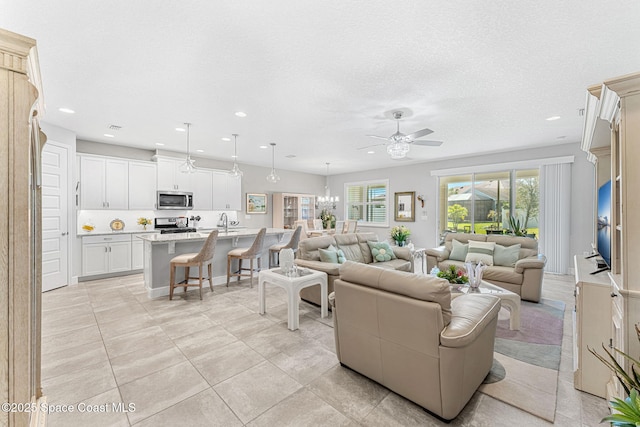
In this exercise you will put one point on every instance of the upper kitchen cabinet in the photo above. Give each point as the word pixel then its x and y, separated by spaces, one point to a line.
pixel 142 185
pixel 104 183
pixel 169 175
pixel 202 186
pixel 227 192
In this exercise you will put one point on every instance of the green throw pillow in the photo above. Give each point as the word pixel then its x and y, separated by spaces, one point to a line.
pixel 459 251
pixel 381 251
pixel 480 252
pixel 331 254
pixel 506 256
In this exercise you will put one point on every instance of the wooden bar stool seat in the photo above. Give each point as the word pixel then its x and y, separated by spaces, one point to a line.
pixel 200 259
pixel 254 252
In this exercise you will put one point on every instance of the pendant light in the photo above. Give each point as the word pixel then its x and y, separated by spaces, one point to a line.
pixel 326 201
pixel 273 176
pixel 188 165
pixel 235 170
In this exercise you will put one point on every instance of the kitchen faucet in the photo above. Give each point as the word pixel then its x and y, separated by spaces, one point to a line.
pixel 225 221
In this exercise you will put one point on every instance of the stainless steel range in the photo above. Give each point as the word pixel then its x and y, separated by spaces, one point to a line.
pixel 177 224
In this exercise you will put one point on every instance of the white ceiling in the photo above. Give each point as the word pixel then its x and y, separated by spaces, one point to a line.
pixel 316 77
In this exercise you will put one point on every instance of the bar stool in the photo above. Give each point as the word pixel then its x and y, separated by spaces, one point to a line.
pixel 274 250
pixel 254 252
pixel 202 258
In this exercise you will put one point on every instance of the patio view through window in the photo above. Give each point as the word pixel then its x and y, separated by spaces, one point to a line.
pixel 484 202
pixel 367 202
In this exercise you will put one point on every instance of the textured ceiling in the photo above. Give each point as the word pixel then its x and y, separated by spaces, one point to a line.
pixel 317 77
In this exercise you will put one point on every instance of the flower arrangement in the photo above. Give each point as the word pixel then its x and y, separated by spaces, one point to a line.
pixel 144 222
pixel 399 233
pixel 454 275
pixel 328 219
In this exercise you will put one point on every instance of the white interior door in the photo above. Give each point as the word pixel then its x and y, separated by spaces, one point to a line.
pixel 55 223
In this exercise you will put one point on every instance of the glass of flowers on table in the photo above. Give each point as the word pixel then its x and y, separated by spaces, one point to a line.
pixel 399 233
pixel 454 275
pixel 144 222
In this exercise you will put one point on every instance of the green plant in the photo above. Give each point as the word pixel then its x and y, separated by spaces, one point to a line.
pixel 457 213
pixel 516 228
pixel 627 411
pixel 399 233
pixel 629 381
pixel 454 275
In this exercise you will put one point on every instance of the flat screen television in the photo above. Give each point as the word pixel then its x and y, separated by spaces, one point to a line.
pixel 603 233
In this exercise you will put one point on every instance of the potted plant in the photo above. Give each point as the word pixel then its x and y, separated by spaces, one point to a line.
pixel 399 233
pixel 454 275
pixel 517 229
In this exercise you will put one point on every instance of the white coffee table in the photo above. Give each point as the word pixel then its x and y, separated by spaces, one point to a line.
pixel 292 285
pixel 510 300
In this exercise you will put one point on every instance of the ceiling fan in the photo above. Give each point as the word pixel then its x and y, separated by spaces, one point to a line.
pixel 398 144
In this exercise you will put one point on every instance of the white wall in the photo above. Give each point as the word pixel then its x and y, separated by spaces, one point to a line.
pixel 417 177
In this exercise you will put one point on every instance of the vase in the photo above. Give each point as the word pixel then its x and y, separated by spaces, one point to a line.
pixel 286 260
pixel 144 227
pixel 400 243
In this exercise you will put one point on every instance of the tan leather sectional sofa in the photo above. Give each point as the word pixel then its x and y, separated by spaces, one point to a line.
pixel 403 331
pixel 355 248
pixel 524 277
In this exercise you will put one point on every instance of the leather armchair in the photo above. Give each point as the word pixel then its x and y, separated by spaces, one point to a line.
pixel 403 331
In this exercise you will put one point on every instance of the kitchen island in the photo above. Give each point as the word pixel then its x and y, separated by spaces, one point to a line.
pixel 159 249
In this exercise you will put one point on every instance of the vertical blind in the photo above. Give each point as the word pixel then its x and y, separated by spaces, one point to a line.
pixel 555 209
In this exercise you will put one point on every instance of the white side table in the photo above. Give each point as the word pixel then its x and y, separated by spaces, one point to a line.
pixel 509 300
pixel 292 285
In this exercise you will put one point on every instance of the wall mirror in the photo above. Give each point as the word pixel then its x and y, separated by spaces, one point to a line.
pixel 405 208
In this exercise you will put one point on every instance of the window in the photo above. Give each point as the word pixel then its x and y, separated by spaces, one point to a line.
pixel 367 203
pixel 482 203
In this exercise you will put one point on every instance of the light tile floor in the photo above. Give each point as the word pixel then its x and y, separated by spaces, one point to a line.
pixel 217 362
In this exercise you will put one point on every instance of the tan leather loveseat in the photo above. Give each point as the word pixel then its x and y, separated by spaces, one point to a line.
pixel 355 248
pixel 403 331
pixel 524 277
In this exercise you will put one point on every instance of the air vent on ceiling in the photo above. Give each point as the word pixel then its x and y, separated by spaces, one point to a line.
pixel 114 127
pixel 290 156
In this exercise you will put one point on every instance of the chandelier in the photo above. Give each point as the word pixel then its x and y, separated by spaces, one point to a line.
pixel 327 201
pixel 235 170
pixel 273 176
pixel 188 165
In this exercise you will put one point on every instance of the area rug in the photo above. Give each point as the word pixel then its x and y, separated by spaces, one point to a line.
pixel 526 362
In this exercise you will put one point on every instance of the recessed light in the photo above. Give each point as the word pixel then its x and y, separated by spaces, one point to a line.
pixel 241 114
pixel 234 156
pixel 66 110
pixel 108 135
pixel 159 144
pixel 180 129
pixel 263 147
pixel 200 151
pixel 552 118
pixel 371 152
pixel 226 139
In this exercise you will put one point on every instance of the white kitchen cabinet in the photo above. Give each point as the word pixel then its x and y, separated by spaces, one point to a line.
pixel 104 183
pixel 202 187
pixel 170 177
pixel 227 191
pixel 137 253
pixel 106 254
pixel 142 185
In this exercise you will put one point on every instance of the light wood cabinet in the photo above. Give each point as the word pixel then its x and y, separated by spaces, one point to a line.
pixel 142 185
pixel 289 208
pixel 617 101
pixel 104 183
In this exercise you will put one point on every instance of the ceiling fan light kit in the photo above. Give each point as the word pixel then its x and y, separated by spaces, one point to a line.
pixel 188 166
pixel 273 176
pixel 399 144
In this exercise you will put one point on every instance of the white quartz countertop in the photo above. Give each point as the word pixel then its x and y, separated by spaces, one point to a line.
pixel 201 235
pixel 114 233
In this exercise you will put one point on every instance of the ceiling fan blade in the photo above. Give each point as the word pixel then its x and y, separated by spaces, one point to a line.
pixel 427 143
pixel 370 146
pixel 420 133
pixel 379 137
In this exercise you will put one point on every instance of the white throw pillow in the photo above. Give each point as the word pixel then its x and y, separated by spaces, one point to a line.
pixel 480 251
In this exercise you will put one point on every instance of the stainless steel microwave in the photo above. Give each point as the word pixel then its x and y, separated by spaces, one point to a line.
pixel 176 200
